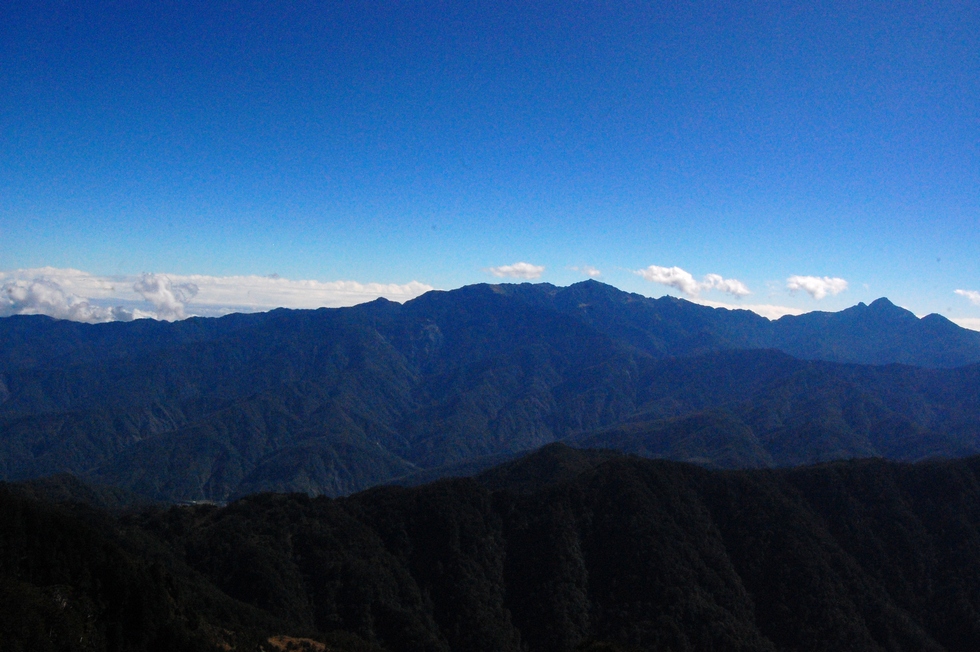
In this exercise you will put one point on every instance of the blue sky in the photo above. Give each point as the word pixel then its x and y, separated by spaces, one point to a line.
pixel 431 142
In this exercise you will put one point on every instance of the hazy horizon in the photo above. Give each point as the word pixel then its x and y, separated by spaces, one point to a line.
pixel 163 297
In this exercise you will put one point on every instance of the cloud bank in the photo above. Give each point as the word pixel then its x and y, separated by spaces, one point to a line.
pixel 79 296
pixel 972 295
pixel 817 286
pixel 41 296
pixel 518 270
pixel 684 281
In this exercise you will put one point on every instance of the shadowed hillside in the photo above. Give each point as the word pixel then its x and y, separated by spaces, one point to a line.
pixel 562 550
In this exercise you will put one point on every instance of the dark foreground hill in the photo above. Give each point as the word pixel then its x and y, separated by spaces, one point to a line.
pixel 561 550
pixel 333 401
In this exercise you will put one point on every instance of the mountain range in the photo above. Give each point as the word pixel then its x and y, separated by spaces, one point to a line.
pixel 332 401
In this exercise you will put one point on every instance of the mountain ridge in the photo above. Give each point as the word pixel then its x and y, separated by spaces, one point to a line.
pixel 335 400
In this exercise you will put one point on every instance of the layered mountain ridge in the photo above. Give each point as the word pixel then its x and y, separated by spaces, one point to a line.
pixel 335 400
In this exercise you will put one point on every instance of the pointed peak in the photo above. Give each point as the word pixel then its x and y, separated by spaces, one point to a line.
pixel 881 304
pixel 937 321
pixel 879 307
pixel 883 309
pixel 592 284
pixel 592 288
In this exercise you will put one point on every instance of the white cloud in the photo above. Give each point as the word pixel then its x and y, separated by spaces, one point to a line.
pixel 264 292
pixel 972 295
pixel 817 286
pixel 77 295
pixel 674 277
pixel 518 270
pixel 729 285
pixel 40 296
pixel 168 298
pixel 588 270
pixel 682 280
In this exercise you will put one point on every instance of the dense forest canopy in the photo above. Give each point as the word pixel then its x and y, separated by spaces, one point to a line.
pixel 561 550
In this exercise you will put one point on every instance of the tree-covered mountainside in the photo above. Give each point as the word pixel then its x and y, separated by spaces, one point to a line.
pixel 333 401
pixel 77 578
pixel 879 333
pixel 760 408
pixel 562 550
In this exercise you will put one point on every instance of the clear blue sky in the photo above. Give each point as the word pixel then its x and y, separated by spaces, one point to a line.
pixel 430 141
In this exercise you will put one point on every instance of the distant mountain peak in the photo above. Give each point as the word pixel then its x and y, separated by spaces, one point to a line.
pixel 877 310
pixel 884 305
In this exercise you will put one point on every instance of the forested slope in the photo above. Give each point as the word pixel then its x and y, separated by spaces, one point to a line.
pixel 333 401
pixel 561 550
